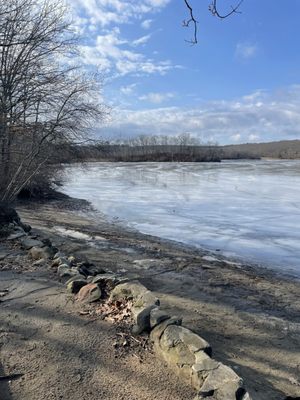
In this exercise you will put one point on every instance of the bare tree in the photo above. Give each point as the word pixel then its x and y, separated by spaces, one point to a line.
pixel 214 9
pixel 44 99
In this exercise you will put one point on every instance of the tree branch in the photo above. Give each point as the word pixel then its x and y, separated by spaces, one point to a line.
pixel 191 20
pixel 213 8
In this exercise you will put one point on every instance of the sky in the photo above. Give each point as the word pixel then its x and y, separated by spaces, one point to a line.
pixel 240 83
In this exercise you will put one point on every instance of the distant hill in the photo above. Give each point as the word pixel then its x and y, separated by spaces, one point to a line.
pixel 285 149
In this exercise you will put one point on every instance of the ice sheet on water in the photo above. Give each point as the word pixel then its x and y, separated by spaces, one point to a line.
pixel 247 208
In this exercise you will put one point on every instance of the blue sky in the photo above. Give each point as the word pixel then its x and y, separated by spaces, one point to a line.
pixel 240 83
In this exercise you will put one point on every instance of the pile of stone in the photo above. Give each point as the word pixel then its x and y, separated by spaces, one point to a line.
pixel 185 352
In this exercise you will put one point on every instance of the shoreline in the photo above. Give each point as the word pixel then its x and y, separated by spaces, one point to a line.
pixel 249 314
pixel 86 209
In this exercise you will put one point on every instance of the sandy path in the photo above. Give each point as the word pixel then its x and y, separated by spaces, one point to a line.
pixel 250 316
pixel 63 356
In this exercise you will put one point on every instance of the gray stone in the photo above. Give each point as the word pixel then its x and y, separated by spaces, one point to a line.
pixel 75 285
pixel 157 316
pixel 28 243
pixel 200 370
pixel 58 254
pixel 109 280
pixel 78 277
pixel 142 319
pixel 64 271
pixel 157 332
pixel 88 269
pixel 39 262
pixel 223 380
pixel 146 299
pixel 207 364
pixel 129 290
pixel 37 253
pixel 59 261
pixel 16 235
pixel 178 334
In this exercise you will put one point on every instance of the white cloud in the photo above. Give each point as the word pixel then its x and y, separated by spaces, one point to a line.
pixel 146 24
pixel 111 53
pixel 236 137
pixel 106 12
pixel 157 98
pixel 254 138
pixel 129 89
pixel 276 118
pixel 141 40
pixel 246 50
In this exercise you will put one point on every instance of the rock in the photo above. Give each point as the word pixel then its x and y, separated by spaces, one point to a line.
pixel 58 254
pixel 174 334
pixel 59 261
pixel 157 316
pixel 75 285
pixel 88 269
pixel 207 364
pixel 47 242
pixel 78 277
pixel 71 259
pixel 26 227
pixel 108 280
pixel 89 293
pixel 146 299
pixel 129 290
pixel 204 364
pixel 28 243
pixel 38 262
pixel 177 346
pixel 64 271
pixel 178 334
pixel 16 235
pixel 142 319
pixel 224 382
pixel 37 253
pixel 157 332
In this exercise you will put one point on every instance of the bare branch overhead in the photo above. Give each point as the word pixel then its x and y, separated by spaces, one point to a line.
pixel 214 9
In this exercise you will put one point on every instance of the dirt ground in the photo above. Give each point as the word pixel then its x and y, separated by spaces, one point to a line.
pixel 60 354
pixel 249 315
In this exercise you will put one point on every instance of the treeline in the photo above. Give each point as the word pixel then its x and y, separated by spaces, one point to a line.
pixel 126 153
pixel 285 149
pixel 173 148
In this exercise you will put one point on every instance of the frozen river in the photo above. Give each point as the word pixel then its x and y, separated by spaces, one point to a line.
pixel 244 209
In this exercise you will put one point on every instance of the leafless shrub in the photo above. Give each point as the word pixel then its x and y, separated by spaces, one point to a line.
pixel 44 98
